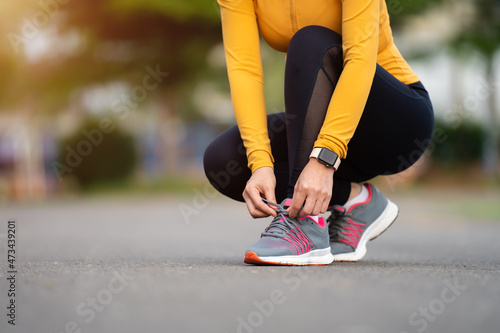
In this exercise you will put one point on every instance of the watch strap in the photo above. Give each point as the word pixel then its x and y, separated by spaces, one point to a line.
pixel 315 154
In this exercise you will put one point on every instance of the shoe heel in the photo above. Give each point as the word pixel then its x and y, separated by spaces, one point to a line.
pixel 387 218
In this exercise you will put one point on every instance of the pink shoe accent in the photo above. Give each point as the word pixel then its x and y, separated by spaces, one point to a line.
pixel 352 234
pixel 369 188
pixel 288 202
pixel 302 248
pixel 305 239
pixel 294 243
pixel 300 241
pixel 319 220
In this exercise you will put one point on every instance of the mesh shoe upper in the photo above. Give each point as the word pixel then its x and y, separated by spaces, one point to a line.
pixel 287 236
pixel 347 226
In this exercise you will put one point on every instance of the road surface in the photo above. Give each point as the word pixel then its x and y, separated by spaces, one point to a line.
pixel 165 264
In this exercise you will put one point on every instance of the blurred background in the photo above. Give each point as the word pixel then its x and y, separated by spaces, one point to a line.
pixel 123 96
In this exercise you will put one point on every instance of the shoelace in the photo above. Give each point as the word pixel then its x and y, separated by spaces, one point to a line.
pixel 283 225
pixel 342 228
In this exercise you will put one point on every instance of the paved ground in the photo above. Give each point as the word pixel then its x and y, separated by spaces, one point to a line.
pixel 141 265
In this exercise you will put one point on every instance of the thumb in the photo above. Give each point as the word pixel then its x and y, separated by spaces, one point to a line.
pixel 269 194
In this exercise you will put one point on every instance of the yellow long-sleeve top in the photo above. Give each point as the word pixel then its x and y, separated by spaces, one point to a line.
pixel 366 41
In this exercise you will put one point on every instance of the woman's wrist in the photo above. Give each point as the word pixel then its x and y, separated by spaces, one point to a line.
pixel 320 167
pixel 264 169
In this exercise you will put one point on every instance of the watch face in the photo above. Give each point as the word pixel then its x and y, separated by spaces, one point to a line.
pixel 327 157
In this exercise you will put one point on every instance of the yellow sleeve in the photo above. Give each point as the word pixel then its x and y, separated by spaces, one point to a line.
pixel 360 35
pixel 244 67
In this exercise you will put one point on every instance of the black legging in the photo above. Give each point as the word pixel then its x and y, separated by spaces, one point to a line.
pixel 394 130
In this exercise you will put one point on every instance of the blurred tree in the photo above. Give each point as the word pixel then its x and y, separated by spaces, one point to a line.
pixel 129 40
pixel 11 63
pixel 93 159
pixel 483 35
pixel 479 33
pixel 119 39
pixel 462 146
pixel 94 42
pixel 55 50
pixel 401 10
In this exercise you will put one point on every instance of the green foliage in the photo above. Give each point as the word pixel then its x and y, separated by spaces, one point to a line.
pixel 400 10
pixel 142 37
pixel 108 158
pixel 117 40
pixel 483 34
pixel 179 10
pixel 463 144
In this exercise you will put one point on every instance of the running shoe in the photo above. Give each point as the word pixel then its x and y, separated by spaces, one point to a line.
pixel 287 241
pixel 351 229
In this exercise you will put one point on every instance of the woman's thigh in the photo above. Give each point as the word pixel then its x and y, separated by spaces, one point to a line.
pixel 394 130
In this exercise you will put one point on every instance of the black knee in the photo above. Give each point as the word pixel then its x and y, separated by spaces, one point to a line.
pixel 310 44
pixel 225 164
pixel 220 164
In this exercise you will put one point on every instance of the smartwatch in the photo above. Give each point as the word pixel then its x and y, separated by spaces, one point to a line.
pixel 326 157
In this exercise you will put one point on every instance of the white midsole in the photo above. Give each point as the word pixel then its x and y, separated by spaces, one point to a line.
pixel 319 256
pixel 376 228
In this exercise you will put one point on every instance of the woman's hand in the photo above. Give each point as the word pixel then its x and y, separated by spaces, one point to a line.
pixel 262 183
pixel 313 190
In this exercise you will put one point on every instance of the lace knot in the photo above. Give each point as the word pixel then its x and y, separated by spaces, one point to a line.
pixel 281 223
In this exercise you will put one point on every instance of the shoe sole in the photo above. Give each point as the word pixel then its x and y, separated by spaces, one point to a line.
pixel 381 224
pixel 314 257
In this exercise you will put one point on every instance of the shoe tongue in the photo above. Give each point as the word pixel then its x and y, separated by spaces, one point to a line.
pixel 286 203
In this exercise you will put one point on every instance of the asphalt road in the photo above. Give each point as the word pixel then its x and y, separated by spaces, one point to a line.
pixel 168 264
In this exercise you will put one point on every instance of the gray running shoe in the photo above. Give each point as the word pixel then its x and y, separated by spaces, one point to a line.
pixel 351 229
pixel 287 241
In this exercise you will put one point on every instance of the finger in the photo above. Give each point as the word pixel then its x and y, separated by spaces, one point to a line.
pixel 260 205
pixel 269 194
pixel 254 212
pixel 326 201
pixel 297 202
pixel 324 206
pixel 321 204
pixel 317 207
pixel 252 209
pixel 249 204
pixel 265 208
pixel 308 207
